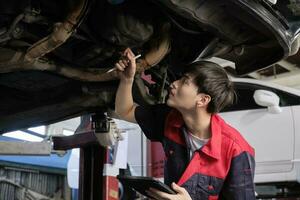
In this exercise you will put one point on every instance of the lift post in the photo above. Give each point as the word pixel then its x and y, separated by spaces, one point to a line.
pixel 92 184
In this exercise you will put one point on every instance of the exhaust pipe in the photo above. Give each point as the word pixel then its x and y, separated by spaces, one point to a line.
pixel 151 58
pixel 62 31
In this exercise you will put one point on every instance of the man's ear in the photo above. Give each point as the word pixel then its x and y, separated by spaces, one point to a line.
pixel 203 100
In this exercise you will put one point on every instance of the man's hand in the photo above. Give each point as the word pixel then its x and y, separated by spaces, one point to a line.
pixel 182 194
pixel 126 67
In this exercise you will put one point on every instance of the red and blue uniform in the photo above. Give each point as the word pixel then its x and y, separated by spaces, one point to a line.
pixel 222 169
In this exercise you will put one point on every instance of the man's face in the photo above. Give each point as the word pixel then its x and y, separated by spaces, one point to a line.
pixel 183 94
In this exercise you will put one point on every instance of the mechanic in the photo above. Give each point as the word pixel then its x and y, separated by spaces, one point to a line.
pixel 205 157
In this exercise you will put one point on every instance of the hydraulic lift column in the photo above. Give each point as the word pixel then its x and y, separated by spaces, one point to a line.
pixel 92 184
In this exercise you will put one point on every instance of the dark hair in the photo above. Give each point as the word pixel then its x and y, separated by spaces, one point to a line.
pixel 212 79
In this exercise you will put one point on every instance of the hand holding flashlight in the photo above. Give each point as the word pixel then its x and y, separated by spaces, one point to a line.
pixel 115 68
pixel 126 66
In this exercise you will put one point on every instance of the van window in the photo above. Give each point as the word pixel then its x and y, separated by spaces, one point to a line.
pixel 245 100
pixel 287 99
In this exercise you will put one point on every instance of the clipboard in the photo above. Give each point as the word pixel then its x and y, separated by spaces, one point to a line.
pixel 141 184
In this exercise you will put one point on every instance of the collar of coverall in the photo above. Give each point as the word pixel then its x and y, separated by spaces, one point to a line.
pixel 213 147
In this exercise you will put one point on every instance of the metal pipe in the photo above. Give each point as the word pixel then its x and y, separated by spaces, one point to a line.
pixel 6 36
pixel 152 57
pixel 157 52
pixel 61 32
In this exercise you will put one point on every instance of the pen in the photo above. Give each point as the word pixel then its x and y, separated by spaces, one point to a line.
pixel 113 69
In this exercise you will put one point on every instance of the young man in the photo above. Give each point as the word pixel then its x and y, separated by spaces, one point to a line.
pixel 206 158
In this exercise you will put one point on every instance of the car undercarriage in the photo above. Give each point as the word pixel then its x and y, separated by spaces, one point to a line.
pixel 54 55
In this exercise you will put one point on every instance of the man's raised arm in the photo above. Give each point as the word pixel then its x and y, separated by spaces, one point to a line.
pixel 126 69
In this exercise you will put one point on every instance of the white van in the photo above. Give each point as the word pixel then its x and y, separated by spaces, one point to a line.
pixel 268 116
